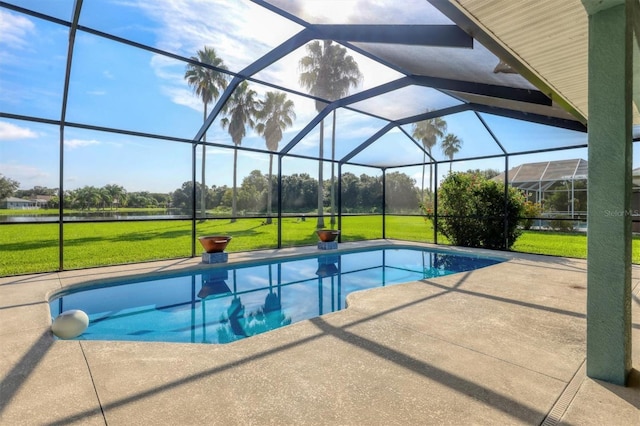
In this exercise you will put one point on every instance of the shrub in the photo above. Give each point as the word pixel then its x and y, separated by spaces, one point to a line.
pixel 426 208
pixel 561 223
pixel 531 211
pixel 471 212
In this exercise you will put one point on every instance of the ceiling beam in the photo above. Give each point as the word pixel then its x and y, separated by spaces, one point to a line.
pixel 433 114
pixel 408 120
pixel 417 35
pixel 375 91
pixel 492 90
pixel 367 143
pixel 309 127
pixel 296 41
pixel 530 117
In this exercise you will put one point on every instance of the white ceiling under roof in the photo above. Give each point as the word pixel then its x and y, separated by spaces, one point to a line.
pixel 549 38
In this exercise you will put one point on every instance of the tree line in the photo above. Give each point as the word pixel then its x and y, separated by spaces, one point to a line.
pixel 108 197
pixel 360 194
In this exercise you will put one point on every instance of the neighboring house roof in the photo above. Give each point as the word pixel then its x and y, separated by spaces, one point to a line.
pixel 542 175
pixel 42 198
pixel 547 171
pixel 16 200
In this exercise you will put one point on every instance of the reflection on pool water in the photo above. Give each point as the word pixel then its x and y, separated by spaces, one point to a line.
pixel 221 305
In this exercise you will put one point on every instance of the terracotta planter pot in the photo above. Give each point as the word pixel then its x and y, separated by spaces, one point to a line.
pixel 214 243
pixel 327 235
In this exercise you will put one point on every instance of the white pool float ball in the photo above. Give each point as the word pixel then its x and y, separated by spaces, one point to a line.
pixel 70 324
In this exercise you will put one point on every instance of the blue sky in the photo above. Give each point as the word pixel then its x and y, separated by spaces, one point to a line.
pixel 118 86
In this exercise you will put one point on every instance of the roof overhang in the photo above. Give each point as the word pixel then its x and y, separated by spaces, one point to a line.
pixel 546 41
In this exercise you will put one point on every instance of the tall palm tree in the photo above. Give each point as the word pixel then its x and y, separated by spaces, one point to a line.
pixel 206 84
pixel 276 114
pixel 451 144
pixel 241 110
pixel 428 132
pixel 328 72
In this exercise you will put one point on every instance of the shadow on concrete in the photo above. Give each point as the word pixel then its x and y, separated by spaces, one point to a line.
pixel 629 393
pixel 16 377
pixel 507 300
pixel 519 411
pixel 29 278
pixel 473 390
pixel 500 402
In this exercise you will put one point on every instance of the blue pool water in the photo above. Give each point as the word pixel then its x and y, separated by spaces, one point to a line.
pixel 221 305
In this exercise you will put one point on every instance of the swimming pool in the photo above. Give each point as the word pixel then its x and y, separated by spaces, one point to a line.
pixel 225 304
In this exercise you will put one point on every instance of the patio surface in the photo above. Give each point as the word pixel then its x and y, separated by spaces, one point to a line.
pixel 499 345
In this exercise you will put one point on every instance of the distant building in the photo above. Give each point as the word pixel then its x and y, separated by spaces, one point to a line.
pixel 42 200
pixel 17 203
pixel 541 181
pixel 37 202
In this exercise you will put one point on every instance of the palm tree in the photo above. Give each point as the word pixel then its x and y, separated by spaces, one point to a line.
pixel 328 73
pixel 206 84
pixel 276 114
pixel 451 144
pixel 118 195
pixel 428 132
pixel 105 198
pixel 241 109
pixel 87 197
pixel 69 199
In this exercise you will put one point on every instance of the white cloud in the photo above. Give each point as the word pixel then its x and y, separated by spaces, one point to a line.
pixel 240 31
pixel 15 29
pixel 97 92
pixel 212 151
pixel 77 143
pixel 168 68
pixel 108 75
pixel 27 175
pixel 10 131
pixel 183 96
pixel 363 11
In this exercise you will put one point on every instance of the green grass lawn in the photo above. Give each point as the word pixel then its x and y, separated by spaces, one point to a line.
pixel 562 244
pixel 33 248
pixel 553 243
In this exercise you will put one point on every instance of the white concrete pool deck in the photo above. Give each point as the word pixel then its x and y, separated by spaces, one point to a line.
pixel 500 345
